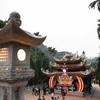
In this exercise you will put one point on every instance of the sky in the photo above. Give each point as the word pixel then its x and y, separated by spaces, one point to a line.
pixel 68 24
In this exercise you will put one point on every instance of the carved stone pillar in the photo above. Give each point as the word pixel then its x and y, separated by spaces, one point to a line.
pixel 1 93
pixel 16 91
pixel 10 94
pixel 21 93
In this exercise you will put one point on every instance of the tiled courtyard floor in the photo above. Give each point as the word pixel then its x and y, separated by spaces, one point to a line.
pixel 95 96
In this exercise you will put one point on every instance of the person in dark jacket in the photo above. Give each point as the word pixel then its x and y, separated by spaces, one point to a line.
pixel 32 90
pixel 39 98
pixel 38 91
pixel 63 92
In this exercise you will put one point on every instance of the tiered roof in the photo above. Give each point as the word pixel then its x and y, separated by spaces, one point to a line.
pixel 74 65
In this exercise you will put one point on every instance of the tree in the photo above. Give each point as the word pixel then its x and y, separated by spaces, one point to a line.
pixel 98 70
pixel 52 51
pixel 95 3
pixel 38 60
pixel 92 5
pixel 2 23
pixel 98 29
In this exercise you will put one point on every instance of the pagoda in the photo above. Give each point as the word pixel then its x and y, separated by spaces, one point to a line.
pixel 71 71
pixel 15 69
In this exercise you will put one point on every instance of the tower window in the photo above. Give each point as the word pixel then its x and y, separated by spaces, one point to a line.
pixel 21 54
pixel 4 54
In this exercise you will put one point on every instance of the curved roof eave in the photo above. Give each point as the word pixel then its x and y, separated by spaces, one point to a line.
pixel 38 39
pixel 34 36
pixel 13 33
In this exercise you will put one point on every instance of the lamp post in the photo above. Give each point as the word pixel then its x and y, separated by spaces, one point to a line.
pixel 15 69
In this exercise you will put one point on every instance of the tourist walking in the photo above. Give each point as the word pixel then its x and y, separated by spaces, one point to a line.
pixel 63 92
pixel 39 97
pixel 43 98
pixel 58 98
pixel 33 91
pixel 55 98
pixel 52 96
pixel 44 90
pixel 36 91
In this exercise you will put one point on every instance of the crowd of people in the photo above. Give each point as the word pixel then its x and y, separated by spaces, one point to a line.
pixel 41 98
pixel 50 91
pixel 36 91
pixel 54 97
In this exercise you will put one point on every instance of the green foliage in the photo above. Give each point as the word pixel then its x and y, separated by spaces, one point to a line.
pixel 52 51
pixel 2 23
pixel 41 56
pixel 98 70
pixel 95 3
pixel 38 60
pixel 92 5
pixel 94 66
pixel 50 55
pixel 98 29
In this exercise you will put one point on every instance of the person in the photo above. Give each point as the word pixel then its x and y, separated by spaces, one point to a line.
pixel 63 92
pixel 52 96
pixel 58 98
pixel 39 98
pixel 36 91
pixel 43 98
pixel 94 80
pixel 55 98
pixel 51 90
pixel 32 90
pixel 44 90
pixel 47 91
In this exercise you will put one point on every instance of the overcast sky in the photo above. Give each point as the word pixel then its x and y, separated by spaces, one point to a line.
pixel 68 24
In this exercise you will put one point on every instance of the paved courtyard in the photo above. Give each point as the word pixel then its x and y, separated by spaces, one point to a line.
pixel 94 96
